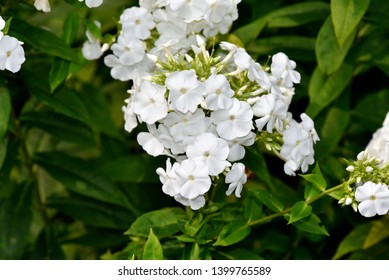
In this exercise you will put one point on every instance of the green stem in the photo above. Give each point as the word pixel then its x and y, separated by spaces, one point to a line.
pixel 288 210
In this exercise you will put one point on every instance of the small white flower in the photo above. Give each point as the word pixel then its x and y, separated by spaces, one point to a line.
pixel 237 151
pixel 185 91
pixel 271 112
pixel 11 54
pixel 378 146
pixel 189 10
pixel 350 168
pixel 129 50
pixel 211 151
pixel 219 92
pixel 373 198
pixel 92 48
pixel 283 68
pixel 233 122
pixel 169 178
pixel 149 102
pixel 236 178
pixel 150 144
pixel 137 21
pixel 130 121
pixel 42 5
pixel 193 178
pixel 92 3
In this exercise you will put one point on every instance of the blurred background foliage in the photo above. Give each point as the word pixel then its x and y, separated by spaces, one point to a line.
pixel 75 185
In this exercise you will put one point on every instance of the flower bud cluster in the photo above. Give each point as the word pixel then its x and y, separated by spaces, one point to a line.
pixel 202 111
pixel 370 172
pixel 11 50
pixel 164 26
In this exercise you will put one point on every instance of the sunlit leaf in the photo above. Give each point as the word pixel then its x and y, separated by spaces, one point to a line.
pixel 153 249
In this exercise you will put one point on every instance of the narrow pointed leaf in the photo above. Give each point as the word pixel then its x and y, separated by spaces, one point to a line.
pixel 299 210
pixel 232 233
pixel 153 248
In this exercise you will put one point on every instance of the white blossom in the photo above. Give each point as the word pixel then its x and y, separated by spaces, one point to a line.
pixel 237 151
pixel 236 177
pixel 233 122
pixel 211 151
pixel 137 21
pixel 185 91
pixel 11 54
pixel 188 10
pixel 42 5
pixel 169 178
pixel 150 144
pixel 149 102
pixel 219 92
pixel 378 146
pixel 283 68
pixel 373 199
pixel 129 50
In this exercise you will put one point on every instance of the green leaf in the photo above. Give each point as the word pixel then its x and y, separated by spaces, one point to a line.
pixel 256 162
pixel 324 89
pixel 368 114
pixel 70 28
pixel 250 32
pixel 59 72
pixel 60 126
pixel 316 178
pixel 5 110
pixel 353 241
pixel 346 14
pixel 134 168
pixel 3 151
pixel 163 222
pixel 92 212
pixel 299 210
pixel 298 14
pixel 153 249
pixel 79 176
pixel 15 221
pixel 267 199
pixel 377 233
pixel 330 55
pixel 311 224
pixel 252 209
pixel 43 40
pixel 232 233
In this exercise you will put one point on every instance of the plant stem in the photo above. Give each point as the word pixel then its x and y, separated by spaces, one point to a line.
pixel 310 201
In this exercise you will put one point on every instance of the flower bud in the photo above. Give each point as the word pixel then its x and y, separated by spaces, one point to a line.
pixel 354 205
pixel 369 169
pixel 349 200
pixel 350 168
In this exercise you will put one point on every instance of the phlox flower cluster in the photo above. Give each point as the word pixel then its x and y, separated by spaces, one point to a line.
pixel 11 51
pixel 369 193
pixel 203 110
pixel 163 26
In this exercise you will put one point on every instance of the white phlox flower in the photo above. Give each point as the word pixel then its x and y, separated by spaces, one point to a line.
pixel 271 112
pixel 219 92
pixel 130 120
pixel 373 199
pixel 150 144
pixel 169 178
pixel 283 68
pixel 237 151
pixel 129 50
pixel 149 102
pixel 92 3
pixel 219 16
pixel 236 178
pixel 11 54
pixel 42 5
pixel 211 151
pixel 185 91
pixel 378 146
pixel 193 179
pixel 195 203
pixel 137 21
pixel 92 48
pixel 297 149
pixel 233 122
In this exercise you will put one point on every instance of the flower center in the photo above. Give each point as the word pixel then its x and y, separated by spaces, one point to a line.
pixel 137 22
pixel 232 117
pixel 206 154
pixel 152 101
pixel 218 91
pixel 8 53
pixel 183 90
pixel 372 197
pixel 191 177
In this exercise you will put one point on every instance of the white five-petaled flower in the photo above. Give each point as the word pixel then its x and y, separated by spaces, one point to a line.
pixel 211 151
pixel 129 50
pixel 236 177
pixel 185 91
pixel 169 178
pixel 188 10
pixel 137 21
pixel 193 178
pixel 219 92
pixel 234 122
pixel 283 68
pixel 11 54
pixel 149 102
pixel 373 199
pixel 150 144
pixel 378 146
